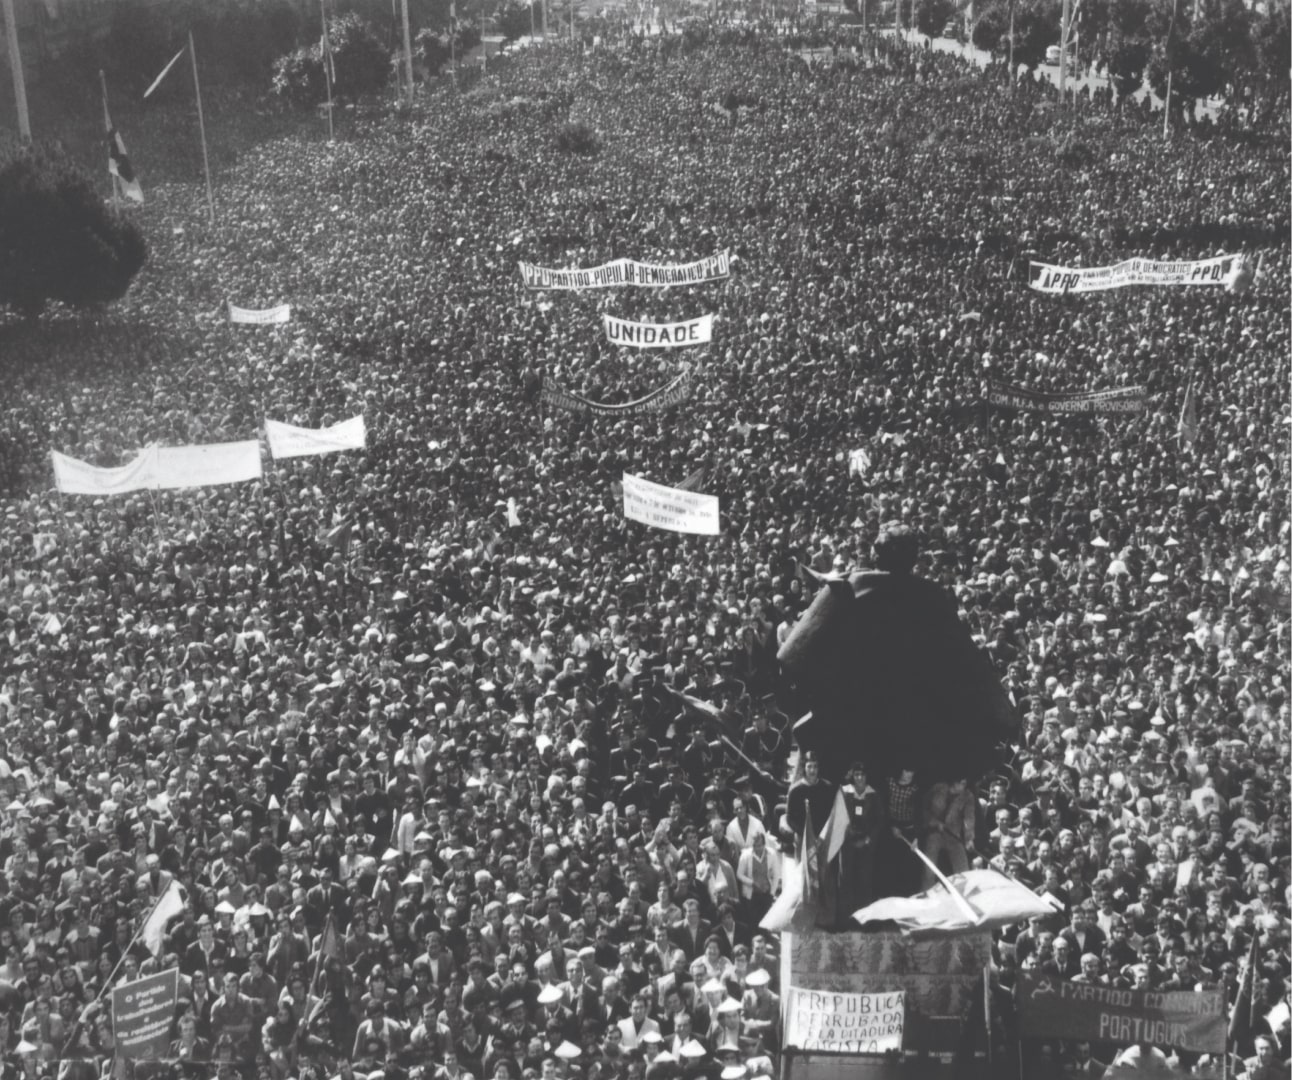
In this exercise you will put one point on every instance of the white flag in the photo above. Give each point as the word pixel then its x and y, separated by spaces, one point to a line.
pixel 169 904
pixel 858 462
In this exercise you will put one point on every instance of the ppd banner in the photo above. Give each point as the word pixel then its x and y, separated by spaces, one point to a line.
pixel 1047 278
pixel 1184 1019
pixel 842 1023
pixel 639 335
pixel 628 272
pixel 670 508
pixel 142 1012
pixel 1126 399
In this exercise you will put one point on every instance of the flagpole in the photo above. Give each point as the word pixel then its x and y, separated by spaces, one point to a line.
pixel 327 70
pixel 408 48
pixel 15 68
pixel 964 905
pixel 201 126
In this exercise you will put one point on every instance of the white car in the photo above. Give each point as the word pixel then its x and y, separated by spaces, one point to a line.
pixel 1052 54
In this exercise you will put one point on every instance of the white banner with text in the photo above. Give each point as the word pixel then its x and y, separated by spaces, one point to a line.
pixel 833 1022
pixel 262 316
pixel 1047 278
pixel 670 508
pixel 628 272
pixel 639 335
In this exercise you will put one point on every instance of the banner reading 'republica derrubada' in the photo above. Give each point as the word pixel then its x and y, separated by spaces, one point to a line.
pixel 555 397
pixel 1047 278
pixel 628 272
pixel 1126 399
pixel 1055 1008
pixel 640 335
pixel 142 1012
pixel 833 1022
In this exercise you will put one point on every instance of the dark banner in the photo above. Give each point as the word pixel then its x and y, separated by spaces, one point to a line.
pixel 1127 399
pixel 678 390
pixel 142 1012
pixel 1057 1008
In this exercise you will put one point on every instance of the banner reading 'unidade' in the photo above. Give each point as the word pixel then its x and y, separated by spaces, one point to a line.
pixel 1047 278
pixel 1126 399
pixel 628 272
pixel 640 335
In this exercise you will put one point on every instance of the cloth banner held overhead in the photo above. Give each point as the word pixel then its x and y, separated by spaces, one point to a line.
pixel 1056 1008
pixel 205 465
pixel 1126 399
pixel 262 316
pixel 834 1022
pixel 670 508
pixel 142 1012
pixel 658 335
pixel 628 272
pixel 678 390
pixel 73 477
pixel 289 441
pixel 1047 278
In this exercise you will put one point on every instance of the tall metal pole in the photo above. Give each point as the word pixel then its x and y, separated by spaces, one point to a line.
pixel 201 127
pixel 327 70
pixel 1170 72
pixel 15 67
pixel 408 49
pixel 1063 48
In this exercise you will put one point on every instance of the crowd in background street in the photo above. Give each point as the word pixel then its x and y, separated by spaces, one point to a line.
pixel 354 698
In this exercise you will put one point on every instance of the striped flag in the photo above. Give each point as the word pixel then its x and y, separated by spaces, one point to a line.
pixel 693 482
pixel 118 160
pixel 169 904
pixel 835 830
pixel 810 859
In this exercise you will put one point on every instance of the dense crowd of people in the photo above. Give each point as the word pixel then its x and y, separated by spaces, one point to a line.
pixel 419 769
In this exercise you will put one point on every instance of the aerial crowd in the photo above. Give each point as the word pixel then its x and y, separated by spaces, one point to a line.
pixel 401 722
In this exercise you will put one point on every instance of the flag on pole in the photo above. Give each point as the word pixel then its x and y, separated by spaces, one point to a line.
pixel 809 859
pixel 329 941
pixel 1187 431
pixel 165 71
pixel 118 160
pixel 339 537
pixel 1243 1020
pixel 169 904
pixel 694 482
pixel 835 830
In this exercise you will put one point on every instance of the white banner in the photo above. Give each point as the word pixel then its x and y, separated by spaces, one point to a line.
pixel 288 440
pixel 628 272
pixel 156 467
pixel 253 317
pixel 73 477
pixel 639 335
pixel 670 508
pixel 840 1023
pixel 1047 278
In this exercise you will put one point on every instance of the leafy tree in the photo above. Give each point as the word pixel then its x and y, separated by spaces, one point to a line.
pixel 1127 58
pixel 932 15
pixel 1036 27
pixel 360 60
pixel 513 19
pixel 58 239
pixel 1272 52
pixel 578 138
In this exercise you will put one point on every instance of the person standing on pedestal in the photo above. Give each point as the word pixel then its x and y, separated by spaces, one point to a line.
pixel 865 826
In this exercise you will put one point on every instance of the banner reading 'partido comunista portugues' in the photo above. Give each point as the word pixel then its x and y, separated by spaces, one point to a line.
pixel 628 272
pixel 679 389
pixel 1047 278
pixel 639 335
pixel 1127 399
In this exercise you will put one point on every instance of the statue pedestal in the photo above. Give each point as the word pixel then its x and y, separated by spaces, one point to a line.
pixel 938 978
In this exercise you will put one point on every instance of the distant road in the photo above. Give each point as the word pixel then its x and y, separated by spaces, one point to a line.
pixel 1049 71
